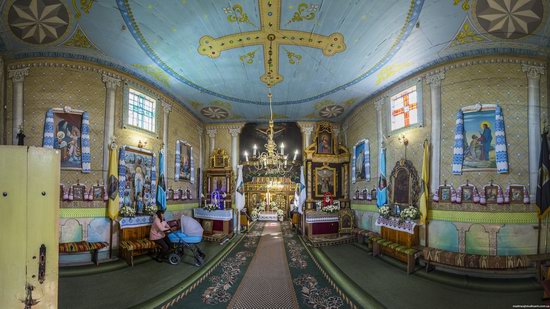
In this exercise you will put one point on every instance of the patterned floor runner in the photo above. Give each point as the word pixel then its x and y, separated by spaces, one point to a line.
pixel 217 289
pixel 312 288
pixel 267 282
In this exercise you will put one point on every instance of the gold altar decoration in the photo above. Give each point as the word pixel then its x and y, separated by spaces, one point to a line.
pixel 219 177
pixel 273 189
pixel 219 159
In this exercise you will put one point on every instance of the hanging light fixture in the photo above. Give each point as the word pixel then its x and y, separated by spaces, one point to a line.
pixel 271 161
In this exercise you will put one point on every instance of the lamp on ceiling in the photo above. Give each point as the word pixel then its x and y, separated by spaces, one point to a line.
pixel 271 161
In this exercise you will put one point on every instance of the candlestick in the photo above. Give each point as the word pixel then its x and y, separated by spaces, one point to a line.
pixel 246 155
pixel 254 150
pixel 282 148
pixel 295 155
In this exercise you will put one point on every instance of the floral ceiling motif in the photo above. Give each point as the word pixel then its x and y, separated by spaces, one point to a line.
pixel 38 21
pixel 509 19
pixel 214 113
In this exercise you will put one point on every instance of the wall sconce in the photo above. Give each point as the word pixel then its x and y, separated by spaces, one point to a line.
pixel 403 140
pixel 142 144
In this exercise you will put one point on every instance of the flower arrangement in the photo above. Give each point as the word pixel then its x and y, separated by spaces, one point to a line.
pixel 385 211
pixel 210 207
pixel 254 214
pixel 410 213
pixel 127 211
pixel 150 209
pixel 330 209
pixel 262 206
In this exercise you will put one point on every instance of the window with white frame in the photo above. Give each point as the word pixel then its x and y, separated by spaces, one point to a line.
pixel 141 110
pixel 404 109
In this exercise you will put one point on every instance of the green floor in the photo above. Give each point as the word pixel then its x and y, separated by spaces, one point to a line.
pixel 395 289
pixel 128 286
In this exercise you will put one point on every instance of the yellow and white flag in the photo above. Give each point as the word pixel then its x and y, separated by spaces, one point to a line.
pixel 112 186
pixel 424 198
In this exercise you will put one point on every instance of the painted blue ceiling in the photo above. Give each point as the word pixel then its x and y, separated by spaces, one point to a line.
pixel 319 75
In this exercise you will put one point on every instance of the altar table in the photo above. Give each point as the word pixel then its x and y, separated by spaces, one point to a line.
pixel 402 233
pixel 320 223
pixel 221 220
pixel 267 216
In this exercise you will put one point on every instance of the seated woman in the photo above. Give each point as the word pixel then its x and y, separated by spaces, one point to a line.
pixel 158 235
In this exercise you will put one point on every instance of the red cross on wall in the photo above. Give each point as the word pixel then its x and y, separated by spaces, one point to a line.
pixel 407 107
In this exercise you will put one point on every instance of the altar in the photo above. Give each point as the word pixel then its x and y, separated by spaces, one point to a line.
pixel 320 224
pixel 215 221
pixel 267 216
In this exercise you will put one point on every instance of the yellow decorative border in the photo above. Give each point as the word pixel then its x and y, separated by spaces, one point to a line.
pixel 484 217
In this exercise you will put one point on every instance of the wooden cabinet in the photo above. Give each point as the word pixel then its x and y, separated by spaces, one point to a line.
pixel 29 230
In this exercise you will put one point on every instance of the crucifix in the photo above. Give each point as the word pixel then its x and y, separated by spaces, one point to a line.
pixel 270 36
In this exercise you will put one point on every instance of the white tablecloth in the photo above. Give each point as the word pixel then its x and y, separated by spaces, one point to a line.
pixel 394 224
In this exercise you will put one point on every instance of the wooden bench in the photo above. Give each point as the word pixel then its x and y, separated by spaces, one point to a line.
pixel 135 241
pixel 83 246
pixel 408 254
pixel 473 261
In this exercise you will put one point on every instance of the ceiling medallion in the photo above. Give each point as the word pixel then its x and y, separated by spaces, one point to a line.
pixel 507 19
pixel 38 21
pixel 214 112
pixel 331 111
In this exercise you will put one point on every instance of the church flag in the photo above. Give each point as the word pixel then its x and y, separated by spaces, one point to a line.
pixel 382 190
pixel 424 198
pixel 543 186
pixel 112 182
pixel 302 191
pixel 161 187
pixel 239 189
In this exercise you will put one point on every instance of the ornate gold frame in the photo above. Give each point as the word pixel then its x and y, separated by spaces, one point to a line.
pixel 219 158
pixel 334 180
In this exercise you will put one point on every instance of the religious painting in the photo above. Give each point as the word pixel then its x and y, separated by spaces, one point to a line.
pixel 218 183
pixel 402 187
pixel 325 181
pixel 97 193
pixel 139 167
pixel 67 138
pixel 491 193
pixel 324 143
pixel 404 109
pixel 361 161
pixel 185 157
pixel 207 226
pixel 444 194
pixel 78 192
pixel 467 194
pixel 170 194
pixel 516 194
pixel 479 140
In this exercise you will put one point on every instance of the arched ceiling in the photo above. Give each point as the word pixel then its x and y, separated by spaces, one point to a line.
pixel 321 58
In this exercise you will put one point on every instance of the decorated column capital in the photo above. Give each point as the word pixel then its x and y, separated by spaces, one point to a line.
pixel 200 130
pixel 110 81
pixel 167 107
pixel 434 79
pixel 533 71
pixel 379 104
pixel 234 132
pixel 18 75
pixel 211 132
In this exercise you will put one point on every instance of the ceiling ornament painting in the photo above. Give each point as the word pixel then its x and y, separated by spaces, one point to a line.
pixel 214 113
pixel 38 21
pixel 509 19
pixel 270 36
pixel 331 111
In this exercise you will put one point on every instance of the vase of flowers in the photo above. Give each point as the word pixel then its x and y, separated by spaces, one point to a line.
pixel 254 214
pixel 410 213
pixel 385 211
pixel 127 211
pixel 150 210
pixel 280 214
pixel 210 207
pixel 330 209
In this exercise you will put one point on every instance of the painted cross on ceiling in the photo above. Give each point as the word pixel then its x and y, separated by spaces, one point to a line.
pixel 270 37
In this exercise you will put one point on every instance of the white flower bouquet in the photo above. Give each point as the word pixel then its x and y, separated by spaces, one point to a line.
pixel 127 211
pixel 330 209
pixel 210 207
pixel 254 214
pixel 385 211
pixel 410 213
pixel 150 209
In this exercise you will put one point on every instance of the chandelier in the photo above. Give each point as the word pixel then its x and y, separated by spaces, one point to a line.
pixel 271 161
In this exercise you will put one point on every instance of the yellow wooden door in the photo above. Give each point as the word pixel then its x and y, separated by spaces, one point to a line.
pixel 13 232
pixel 43 173
pixel 29 208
